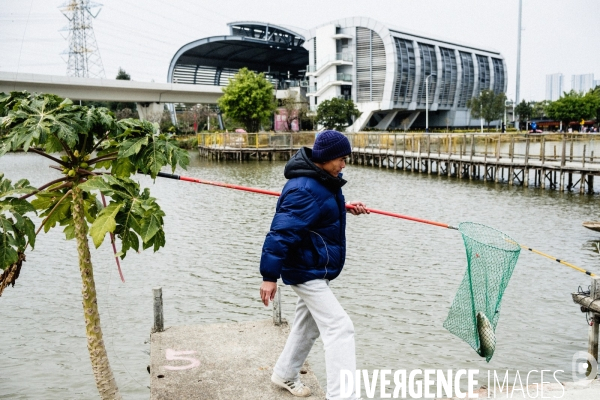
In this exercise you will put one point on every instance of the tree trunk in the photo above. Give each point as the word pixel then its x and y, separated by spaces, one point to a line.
pixel 105 380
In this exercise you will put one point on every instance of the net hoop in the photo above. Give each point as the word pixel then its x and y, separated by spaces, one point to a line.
pixel 503 242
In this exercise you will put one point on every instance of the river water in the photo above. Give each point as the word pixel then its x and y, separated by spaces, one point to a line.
pixel 398 283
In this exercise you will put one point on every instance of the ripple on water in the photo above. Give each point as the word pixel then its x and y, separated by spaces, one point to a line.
pixel 398 283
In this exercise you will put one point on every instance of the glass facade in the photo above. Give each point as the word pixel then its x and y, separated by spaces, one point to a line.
pixel 484 73
pixel 405 80
pixel 428 66
pixel 449 78
pixel 468 79
pixel 499 78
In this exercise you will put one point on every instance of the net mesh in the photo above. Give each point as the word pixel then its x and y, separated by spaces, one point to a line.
pixel 491 259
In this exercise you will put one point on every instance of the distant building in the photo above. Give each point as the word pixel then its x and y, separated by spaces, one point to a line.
pixel 597 83
pixel 554 86
pixel 582 83
pixel 393 76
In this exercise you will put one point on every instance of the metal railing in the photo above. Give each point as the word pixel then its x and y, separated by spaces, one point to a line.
pixel 347 57
pixel 330 78
pixel 271 140
pixel 546 149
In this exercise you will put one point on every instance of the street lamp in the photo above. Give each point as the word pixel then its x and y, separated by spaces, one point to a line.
pixel 427 101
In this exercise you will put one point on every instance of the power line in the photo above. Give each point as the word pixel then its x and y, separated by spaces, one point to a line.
pixel 22 40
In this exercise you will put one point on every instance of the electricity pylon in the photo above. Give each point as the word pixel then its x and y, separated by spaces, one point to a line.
pixel 84 55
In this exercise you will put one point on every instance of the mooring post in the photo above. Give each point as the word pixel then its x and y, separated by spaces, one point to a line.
pixel 594 328
pixel 159 323
pixel 277 307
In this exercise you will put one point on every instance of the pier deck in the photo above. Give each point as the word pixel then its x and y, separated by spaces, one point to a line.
pixel 221 362
pixel 547 161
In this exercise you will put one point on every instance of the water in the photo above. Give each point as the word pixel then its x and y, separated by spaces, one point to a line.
pixel 398 283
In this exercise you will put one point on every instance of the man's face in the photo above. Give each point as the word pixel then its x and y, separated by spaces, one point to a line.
pixel 335 166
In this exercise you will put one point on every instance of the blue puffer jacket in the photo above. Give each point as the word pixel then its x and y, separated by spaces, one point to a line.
pixel 307 239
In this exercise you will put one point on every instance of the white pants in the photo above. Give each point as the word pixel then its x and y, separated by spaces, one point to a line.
pixel 319 312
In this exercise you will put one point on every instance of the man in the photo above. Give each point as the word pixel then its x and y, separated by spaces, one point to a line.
pixel 306 247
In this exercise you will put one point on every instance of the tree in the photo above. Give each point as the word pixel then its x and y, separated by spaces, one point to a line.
pixel 489 106
pixel 524 110
pixel 92 143
pixel 122 75
pixel 574 106
pixel 117 106
pixel 539 108
pixel 248 99
pixel 336 113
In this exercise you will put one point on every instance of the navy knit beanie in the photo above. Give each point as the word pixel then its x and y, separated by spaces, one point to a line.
pixel 329 146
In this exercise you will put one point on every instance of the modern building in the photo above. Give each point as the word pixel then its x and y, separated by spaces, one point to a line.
pixel 554 86
pixel 582 83
pixel 396 78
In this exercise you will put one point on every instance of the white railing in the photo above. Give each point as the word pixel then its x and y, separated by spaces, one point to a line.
pixel 344 57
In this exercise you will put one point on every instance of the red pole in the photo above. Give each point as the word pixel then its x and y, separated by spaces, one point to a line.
pixel 272 193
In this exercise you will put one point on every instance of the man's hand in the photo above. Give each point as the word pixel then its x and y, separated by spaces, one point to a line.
pixel 267 291
pixel 358 207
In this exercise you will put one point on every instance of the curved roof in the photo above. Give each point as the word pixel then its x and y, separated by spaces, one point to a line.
pixel 294 30
pixel 255 45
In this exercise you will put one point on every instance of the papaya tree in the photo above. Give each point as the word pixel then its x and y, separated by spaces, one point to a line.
pixel 95 157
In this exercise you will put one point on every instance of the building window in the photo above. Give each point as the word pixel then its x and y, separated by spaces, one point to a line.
pixel 405 80
pixel 468 79
pixel 449 78
pixel 484 73
pixel 499 78
pixel 370 65
pixel 428 66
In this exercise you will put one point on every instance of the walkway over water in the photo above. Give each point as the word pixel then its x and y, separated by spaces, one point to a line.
pixel 511 158
pixel 554 161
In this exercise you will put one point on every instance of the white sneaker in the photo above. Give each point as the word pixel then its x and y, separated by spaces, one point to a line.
pixel 296 388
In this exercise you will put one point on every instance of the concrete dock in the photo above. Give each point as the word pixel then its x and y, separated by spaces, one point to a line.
pixel 221 362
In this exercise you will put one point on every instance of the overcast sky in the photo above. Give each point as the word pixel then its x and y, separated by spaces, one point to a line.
pixel 142 36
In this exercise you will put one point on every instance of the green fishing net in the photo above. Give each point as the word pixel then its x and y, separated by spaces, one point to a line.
pixel 491 259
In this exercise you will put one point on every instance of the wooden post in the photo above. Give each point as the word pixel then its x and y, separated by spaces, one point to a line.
pixel 526 169
pixel 472 148
pixel 428 145
pixel 543 150
pixel 395 149
pixel 561 183
pixel 485 152
pixel 571 151
pixel 159 323
pixel 593 331
pixel 583 162
pixel 277 307
pixel 498 150
pixel 563 154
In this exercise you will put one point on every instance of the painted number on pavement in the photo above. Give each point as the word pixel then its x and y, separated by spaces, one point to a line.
pixel 172 355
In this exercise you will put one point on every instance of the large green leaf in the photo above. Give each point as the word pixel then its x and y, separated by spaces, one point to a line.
pixel 150 226
pixel 104 223
pixel 16 229
pixel 131 147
